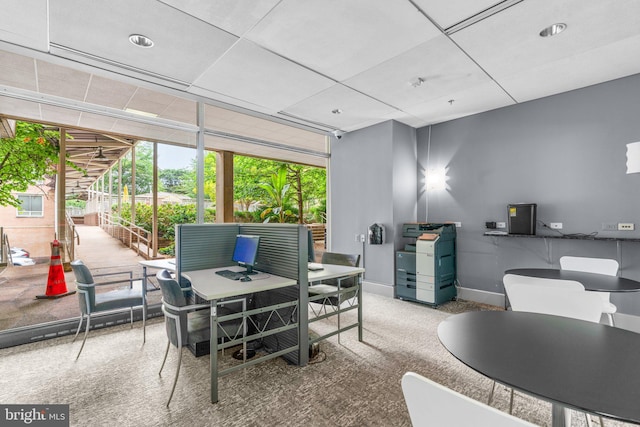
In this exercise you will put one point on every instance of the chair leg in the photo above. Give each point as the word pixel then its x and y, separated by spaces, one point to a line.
pixel 611 322
pixel 493 387
pixel 79 327
pixel 86 332
pixel 511 403
pixel 144 323
pixel 175 380
pixel 165 357
pixel 131 315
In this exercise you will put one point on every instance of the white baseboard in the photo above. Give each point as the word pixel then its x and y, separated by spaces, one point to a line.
pixel 483 297
pixel 377 288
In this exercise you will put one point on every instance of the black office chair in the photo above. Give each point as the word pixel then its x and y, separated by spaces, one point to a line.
pixel 187 324
pixel 92 302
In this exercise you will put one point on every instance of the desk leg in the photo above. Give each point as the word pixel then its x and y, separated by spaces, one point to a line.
pixel 359 279
pixel 144 303
pixel 213 351
pixel 560 416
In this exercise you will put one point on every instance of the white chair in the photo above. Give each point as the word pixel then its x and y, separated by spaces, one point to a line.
pixel 431 404
pixel 565 298
pixel 595 265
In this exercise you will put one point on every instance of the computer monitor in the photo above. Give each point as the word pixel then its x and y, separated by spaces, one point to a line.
pixel 245 251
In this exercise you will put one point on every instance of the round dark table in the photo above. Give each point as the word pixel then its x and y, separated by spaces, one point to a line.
pixel 571 363
pixel 590 281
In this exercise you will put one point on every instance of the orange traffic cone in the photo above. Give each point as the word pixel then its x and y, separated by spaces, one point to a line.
pixel 56 284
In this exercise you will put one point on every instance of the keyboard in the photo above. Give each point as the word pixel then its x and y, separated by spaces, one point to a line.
pixel 231 275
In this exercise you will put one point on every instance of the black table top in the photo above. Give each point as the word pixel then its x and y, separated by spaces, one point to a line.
pixel 587 366
pixel 590 281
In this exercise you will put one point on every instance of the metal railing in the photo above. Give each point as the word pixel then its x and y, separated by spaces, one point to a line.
pixel 132 235
pixel 71 236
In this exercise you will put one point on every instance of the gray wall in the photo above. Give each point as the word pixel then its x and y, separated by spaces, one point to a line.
pixel 373 180
pixel 567 153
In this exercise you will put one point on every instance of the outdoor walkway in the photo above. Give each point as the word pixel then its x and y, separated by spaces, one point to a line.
pixel 20 285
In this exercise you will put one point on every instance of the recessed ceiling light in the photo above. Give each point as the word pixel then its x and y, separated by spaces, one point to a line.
pixel 552 30
pixel 140 40
pixel 337 111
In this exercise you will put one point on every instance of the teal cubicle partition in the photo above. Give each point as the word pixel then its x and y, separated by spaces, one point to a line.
pixel 282 252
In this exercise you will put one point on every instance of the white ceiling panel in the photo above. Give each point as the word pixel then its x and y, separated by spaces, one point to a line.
pixel 150 101
pixel 234 16
pixel 62 116
pixel 518 45
pixel 340 38
pixel 449 12
pixel 20 109
pixel 465 102
pixel 109 93
pixel 181 110
pixel 260 77
pixel 61 81
pixel 441 66
pixel 17 71
pixel 355 108
pixel 25 23
pixel 605 63
pixel 184 46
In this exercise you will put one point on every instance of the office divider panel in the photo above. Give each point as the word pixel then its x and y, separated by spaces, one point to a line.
pixel 282 252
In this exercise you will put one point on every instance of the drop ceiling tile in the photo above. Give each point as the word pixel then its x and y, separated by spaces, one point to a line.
pixel 184 46
pixel 442 66
pixel 19 108
pixel 17 71
pixel 62 81
pixel 24 23
pixel 96 121
pixel 518 45
pixel 150 101
pixel 234 16
pixel 604 63
pixel 342 38
pixel 260 77
pixel 59 115
pixel 181 110
pixel 467 101
pixel 109 93
pixel 356 108
pixel 447 13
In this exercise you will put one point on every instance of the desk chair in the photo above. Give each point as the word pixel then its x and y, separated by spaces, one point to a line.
pixel 431 404
pixel 565 298
pixel 605 266
pixel 187 324
pixel 92 302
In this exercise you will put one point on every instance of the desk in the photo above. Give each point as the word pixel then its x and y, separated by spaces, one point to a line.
pixel 571 363
pixel 158 264
pixel 213 287
pixel 340 272
pixel 590 281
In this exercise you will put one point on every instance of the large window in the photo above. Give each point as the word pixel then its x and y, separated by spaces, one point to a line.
pixel 31 205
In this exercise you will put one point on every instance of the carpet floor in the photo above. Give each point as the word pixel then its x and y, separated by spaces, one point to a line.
pixel 115 381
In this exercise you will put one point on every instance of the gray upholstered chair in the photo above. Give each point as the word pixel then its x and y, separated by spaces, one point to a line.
pixel 188 323
pixel 92 302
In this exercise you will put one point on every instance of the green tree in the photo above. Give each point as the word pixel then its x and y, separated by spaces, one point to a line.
pixel 277 190
pixel 248 174
pixel 309 185
pixel 144 169
pixel 27 158
pixel 177 181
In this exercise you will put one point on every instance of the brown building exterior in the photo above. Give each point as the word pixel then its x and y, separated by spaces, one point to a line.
pixel 31 226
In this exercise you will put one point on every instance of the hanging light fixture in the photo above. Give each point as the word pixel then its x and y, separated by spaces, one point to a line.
pixel 100 155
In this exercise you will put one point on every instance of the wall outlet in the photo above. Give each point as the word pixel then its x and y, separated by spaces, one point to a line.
pixel 609 226
pixel 556 225
pixel 458 224
pixel 357 239
pixel 501 225
pixel 362 238
pixel 626 226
